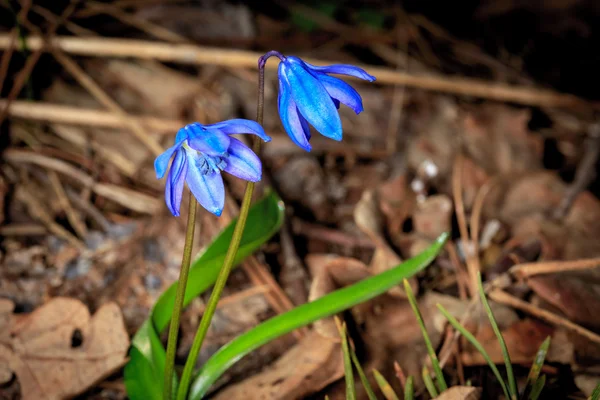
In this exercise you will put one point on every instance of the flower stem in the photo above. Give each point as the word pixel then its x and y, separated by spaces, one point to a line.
pixel 229 257
pixel 179 296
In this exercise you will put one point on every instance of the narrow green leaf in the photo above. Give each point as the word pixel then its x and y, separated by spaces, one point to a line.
pixel 409 389
pixel 144 371
pixel 596 393
pixel 429 382
pixel 306 22
pixel 385 387
pixel 512 383
pixel 537 388
pixel 477 345
pixel 305 314
pixel 536 367
pixel 434 360
pixel 363 378
pixel 348 373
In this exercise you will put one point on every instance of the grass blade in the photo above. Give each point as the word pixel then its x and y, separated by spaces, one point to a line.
pixel 429 383
pixel 596 393
pixel 512 384
pixel 305 314
pixel 349 374
pixel 363 378
pixel 536 367
pixel 385 387
pixel 477 345
pixel 537 388
pixel 441 382
pixel 409 389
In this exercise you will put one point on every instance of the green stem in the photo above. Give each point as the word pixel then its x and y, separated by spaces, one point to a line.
pixel 229 257
pixel 179 296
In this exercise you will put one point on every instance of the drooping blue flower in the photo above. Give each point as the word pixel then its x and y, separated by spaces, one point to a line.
pixel 201 153
pixel 309 96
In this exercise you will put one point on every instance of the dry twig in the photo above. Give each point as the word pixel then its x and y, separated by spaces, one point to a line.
pixel 198 55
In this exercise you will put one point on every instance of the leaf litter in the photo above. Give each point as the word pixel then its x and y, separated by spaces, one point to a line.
pixel 84 227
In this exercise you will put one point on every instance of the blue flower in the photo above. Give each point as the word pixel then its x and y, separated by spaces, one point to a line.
pixel 308 95
pixel 201 153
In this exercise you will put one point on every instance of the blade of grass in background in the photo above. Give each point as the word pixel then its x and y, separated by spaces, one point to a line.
pixel 477 345
pixel 536 367
pixel 441 382
pixel 596 393
pixel 304 314
pixel 361 374
pixel 537 388
pixel 409 389
pixel 348 372
pixel 144 371
pixel 512 384
pixel 429 382
pixel 385 387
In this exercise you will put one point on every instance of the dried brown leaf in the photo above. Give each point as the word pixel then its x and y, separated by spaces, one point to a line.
pixel 42 349
pixel 460 393
pixel 306 368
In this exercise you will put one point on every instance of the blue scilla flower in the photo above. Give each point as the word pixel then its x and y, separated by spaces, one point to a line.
pixel 201 153
pixel 308 95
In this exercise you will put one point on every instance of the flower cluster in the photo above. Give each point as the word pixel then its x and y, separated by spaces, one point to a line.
pixel 308 95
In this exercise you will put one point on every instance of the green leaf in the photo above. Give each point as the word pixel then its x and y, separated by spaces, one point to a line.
pixel 144 371
pixel 537 388
pixel 348 372
pixel 477 345
pixel 409 389
pixel 304 20
pixel 536 367
pixel 512 384
pixel 385 386
pixel 372 18
pixel 429 383
pixel 434 360
pixel 596 393
pixel 304 314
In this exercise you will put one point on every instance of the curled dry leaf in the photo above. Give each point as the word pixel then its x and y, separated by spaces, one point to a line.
pixel 460 393
pixel 330 273
pixel 59 350
pixel 306 368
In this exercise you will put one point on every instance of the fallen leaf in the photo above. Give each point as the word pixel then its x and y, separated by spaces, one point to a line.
pixel 576 294
pixel 59 350
pixel 460 393
pixel 306 368
pixel 523 339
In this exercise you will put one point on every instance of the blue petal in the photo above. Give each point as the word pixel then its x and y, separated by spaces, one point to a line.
pixel 342 92
pixel 162 161
pixel 211 141
pixel 175 180
pixel 182 134
pixel 293 123
pixel 242 162
pixel 207 189
pixel 311 98
pixel 341 69
pixel 235 126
